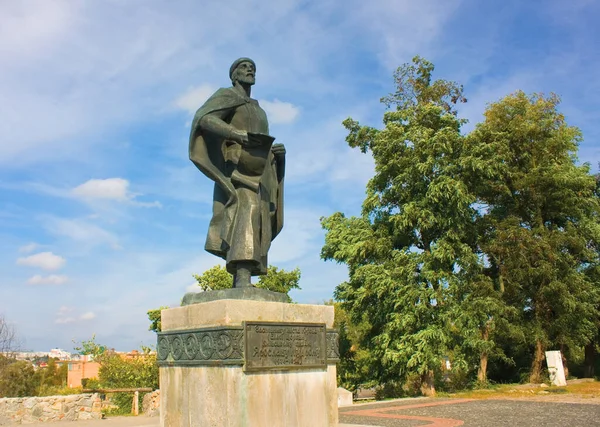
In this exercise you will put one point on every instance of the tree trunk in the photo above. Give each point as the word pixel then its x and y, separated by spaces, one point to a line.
pixel 483 357
pixel 427 385
pixel 536 367
pixel 482 372
pixel 563 350
pixel 590 359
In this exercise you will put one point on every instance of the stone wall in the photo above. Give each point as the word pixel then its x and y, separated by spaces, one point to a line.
pixel 28 410
pixel 151 404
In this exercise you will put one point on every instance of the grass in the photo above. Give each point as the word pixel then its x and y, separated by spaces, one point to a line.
pixel 580 390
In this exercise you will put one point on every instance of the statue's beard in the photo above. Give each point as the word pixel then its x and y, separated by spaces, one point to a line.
pixel 247 80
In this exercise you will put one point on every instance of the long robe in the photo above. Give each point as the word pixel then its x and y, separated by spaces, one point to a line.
pixel 234 208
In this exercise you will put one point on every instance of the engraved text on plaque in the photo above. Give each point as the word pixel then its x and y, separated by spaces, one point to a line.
pixel 284 346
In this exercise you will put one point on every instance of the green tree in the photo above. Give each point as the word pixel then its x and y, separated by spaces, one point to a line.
pixel 413 250
pixel 280 280
pixel 592 347
pixel 217 277
pixel 354 364
pixel 90 347
pixel 214 278
pixel 276 280
pixel 17 379
pixel 154 317
pixel 540 229
pixel 51 378
pixel 118 370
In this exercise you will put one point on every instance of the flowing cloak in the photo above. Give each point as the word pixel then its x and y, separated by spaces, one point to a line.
pixel 208 152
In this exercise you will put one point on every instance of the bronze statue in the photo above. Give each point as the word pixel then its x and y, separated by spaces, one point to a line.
pixel 230 144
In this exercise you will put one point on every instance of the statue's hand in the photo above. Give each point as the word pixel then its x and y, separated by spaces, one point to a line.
pixel 240 136
pixel 278 150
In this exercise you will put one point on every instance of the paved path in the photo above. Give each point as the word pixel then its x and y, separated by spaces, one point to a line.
pixel 428 413
pixel 472 413
pixel 140 421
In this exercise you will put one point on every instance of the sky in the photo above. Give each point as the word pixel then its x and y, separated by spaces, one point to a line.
pixel 103 216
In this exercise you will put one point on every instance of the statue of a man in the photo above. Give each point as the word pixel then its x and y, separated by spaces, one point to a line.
pixel 230 143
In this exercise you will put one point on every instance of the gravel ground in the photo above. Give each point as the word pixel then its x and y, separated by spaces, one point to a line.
pixel 140 421
pixel 429 412
pixel 476 413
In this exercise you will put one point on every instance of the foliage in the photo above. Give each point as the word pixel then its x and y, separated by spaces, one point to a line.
pixel 411 253
pixel 276 280
pixel 154 317
pixel 90 347
pixel 280 280
pixel 480 247
pixel 214 278
pixel 353 367
pixel 52 378
pixel 540 230
pixel 217 277
pixel 139 370
pixel 117 371
pixel 17 379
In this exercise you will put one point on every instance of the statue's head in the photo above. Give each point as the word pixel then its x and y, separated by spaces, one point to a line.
pixel 243 70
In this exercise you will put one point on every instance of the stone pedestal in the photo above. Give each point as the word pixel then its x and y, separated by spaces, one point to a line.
pixel 207 377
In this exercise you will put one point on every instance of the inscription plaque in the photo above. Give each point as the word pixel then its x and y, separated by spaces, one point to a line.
pixel 284 346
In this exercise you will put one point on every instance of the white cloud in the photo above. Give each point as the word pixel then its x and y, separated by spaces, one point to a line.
pixel 46 21
pixel 43 260
pixel 193 288
pixel 111 188
pixel 88 316
pixel 64 315
pixel 52 279
pixel 193 99
pixel 401 29
pixel 82 231
pixel 28 248
pixel 279 111
pixel 299 236
pixel 115 189
pixel 64 310
pixel 64 320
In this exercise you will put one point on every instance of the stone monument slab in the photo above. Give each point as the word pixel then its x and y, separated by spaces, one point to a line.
pixel 204 378
pixel 555 368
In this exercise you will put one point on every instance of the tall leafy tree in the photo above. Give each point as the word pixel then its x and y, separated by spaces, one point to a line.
pixel 593 272
pixel 540 229
pixel 413 253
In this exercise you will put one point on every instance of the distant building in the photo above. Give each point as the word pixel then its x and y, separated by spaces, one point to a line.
pixel 60 354
pixel 56 353
pixel 83 367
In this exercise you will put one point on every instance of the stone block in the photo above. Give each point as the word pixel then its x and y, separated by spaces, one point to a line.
pixel 555 368
pixel 30 402
pixel 344 397
pixel 234 312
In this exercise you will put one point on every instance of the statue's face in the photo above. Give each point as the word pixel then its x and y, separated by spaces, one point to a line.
pixel 245 73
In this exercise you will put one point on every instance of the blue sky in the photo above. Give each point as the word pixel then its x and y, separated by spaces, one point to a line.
pixel 102 215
